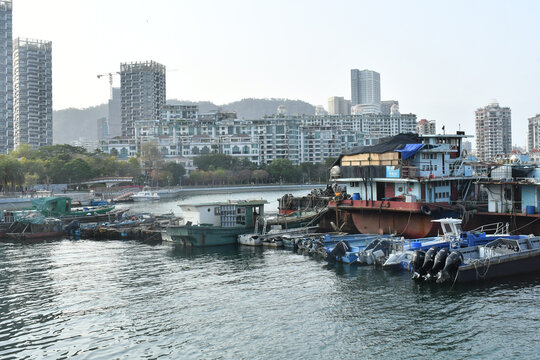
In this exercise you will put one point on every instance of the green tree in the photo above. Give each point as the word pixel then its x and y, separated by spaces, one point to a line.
pixel 215 161
pixel 48 152
pixel 284 170
pixel 24 151
pixel 176 171
pixel 77 170
pixel 11 173
pixel 260 176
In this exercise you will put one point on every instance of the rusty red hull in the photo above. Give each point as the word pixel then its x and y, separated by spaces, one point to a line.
pixel 411 220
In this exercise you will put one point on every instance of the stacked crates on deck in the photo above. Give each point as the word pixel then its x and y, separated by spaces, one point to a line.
pixel 228 215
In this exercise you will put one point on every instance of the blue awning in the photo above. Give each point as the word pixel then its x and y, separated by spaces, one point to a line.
pixel 409 150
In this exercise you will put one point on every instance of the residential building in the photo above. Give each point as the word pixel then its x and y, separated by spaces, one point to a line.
pixel 32 92
pixel 533 134
pixel 426 127
pixel 6 77
pixel 183 132
pixel 143 93
pixel 386 106
pixel 115 113
pixel 366 89
pixel 337 105
pixel 493 131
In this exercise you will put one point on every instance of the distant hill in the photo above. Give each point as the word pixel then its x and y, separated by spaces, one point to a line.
pixel 70 124
pixel 253 108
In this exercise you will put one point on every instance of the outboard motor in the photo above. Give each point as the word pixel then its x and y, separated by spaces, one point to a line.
pixel 417 260
pixel 428 263
pixel 339 250
pixel 450 267
pixel 438 264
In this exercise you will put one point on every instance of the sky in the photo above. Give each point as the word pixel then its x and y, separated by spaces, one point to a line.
pixel 440 59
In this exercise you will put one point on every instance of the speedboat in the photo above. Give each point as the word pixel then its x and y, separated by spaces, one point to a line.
pixel 453 238
pixel 498 258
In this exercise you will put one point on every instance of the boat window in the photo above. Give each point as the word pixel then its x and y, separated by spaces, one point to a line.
pixel 216 211
pixel 447 228
pixel 241 210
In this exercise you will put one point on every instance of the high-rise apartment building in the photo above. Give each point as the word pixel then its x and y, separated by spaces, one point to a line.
pixel 366 89
pixel 142 92
pixel 6 77
pixel 426 127
pixel 339 106
pixel 533 134
pixel 32 92
pixel 493 131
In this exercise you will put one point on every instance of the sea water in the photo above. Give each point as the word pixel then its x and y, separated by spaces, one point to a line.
pixel 87 299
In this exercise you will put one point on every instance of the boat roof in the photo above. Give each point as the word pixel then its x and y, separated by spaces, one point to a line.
pixel 230 202
pixel 448 221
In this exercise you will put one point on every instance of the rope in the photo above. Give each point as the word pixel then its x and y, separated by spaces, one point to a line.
pixel 524 225
pixel 475 263
pixel 408 222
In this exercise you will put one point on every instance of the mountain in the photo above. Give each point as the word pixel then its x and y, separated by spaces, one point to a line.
pixel 253 108
pixel 71 124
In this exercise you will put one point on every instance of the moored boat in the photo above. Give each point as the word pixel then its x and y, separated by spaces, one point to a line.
pixel 216 223
pixel 145 195
pixel 401 184
pixel 419 255
pixel 498 258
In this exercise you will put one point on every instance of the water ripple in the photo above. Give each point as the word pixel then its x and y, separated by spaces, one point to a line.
pixel 103 300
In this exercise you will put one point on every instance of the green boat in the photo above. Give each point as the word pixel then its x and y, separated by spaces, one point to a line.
pixel 215 224
pixel 60 207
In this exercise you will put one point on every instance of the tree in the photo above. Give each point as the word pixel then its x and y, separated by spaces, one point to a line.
pixel 77 170
pixel 10 172
pixel 50 151
pixel 24 151
pixel 260 176
pixel 215 161
pixel 283 170
pixel 177 171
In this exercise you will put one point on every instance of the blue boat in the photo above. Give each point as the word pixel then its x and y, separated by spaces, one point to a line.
pixel 453 238
pixel 498 258
pixel 350 247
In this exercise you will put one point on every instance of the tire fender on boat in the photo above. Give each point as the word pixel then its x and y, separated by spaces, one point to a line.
pixel 424 209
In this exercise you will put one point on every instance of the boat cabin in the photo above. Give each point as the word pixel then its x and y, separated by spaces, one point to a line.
pixel 229 214
pixel 513 189
pixel 409 168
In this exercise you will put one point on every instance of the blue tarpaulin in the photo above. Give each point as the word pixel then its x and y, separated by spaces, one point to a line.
pixel 409 150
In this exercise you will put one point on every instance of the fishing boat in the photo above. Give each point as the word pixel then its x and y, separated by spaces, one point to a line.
pixel 213 224
pixel 33 226
pixel 60 207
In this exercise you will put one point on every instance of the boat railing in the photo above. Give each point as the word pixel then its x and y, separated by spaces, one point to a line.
pixel 498 228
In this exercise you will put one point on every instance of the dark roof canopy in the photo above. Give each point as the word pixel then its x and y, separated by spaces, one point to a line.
pixel 387 144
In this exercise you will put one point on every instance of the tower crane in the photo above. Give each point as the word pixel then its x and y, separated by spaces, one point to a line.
pixel 110 75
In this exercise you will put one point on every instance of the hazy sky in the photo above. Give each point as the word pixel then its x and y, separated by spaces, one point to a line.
pixel 440 59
